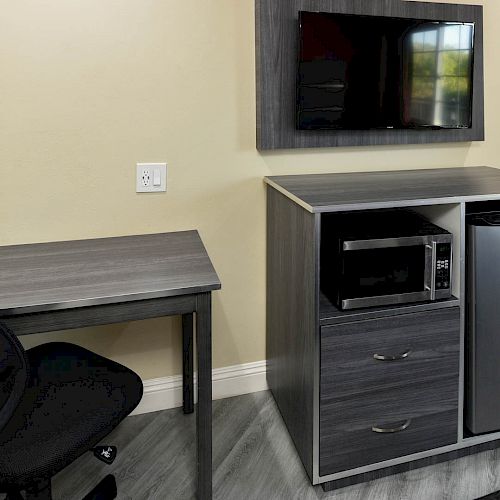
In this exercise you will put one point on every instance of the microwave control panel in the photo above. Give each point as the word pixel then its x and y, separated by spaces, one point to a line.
pixel 443 266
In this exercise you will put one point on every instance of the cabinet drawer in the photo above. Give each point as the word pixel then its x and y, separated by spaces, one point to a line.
pixel 416 396
pixel 429 343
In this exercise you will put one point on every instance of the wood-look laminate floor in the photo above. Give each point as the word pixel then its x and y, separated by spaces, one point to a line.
pixel 254 458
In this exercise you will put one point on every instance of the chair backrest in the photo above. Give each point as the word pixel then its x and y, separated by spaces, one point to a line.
pixel 14 373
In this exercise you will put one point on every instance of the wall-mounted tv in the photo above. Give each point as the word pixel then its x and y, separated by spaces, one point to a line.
pixel 361 72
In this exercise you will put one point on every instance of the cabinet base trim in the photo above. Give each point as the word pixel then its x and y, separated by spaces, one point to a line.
pixel 407 466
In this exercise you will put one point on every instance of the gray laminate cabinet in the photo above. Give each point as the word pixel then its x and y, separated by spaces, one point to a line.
pixel 335 395
pixel 362 395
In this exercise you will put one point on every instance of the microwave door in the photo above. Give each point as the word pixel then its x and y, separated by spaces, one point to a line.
pixel 385 300
pixel 408 241
pixel 384 272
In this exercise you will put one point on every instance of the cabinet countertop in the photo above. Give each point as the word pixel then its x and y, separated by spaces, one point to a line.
pixel 371 190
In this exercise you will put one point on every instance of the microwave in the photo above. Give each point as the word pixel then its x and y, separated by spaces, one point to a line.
pixel 383 257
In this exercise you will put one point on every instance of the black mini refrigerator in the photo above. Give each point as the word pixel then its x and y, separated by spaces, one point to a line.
pixel 482 383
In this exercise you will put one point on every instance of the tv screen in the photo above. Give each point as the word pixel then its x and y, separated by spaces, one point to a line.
pixel 370 72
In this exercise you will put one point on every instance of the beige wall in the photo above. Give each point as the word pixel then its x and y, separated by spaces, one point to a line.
pixel 90 87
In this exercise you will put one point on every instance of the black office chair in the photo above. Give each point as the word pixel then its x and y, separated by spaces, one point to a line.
pixel 57 401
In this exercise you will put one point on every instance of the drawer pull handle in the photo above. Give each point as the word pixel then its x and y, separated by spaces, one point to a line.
pixel 397 357
pixel 392 430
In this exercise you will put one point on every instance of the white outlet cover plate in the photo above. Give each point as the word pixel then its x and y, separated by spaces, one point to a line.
pixel 147 170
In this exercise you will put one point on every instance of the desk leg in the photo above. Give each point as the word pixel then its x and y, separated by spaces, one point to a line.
pixel 187 363
pixel 204 410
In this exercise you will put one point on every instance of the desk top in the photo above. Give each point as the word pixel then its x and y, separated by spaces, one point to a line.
pixel 68 274
pixel 371 190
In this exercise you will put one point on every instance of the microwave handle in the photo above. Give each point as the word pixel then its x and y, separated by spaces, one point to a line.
pixel 430 270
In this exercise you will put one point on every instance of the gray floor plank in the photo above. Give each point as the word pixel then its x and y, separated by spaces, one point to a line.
pixel 254 458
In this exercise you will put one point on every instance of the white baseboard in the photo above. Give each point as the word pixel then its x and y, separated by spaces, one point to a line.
pixel 166 392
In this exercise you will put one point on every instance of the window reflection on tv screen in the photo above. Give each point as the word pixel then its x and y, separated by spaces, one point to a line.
pixel 438 82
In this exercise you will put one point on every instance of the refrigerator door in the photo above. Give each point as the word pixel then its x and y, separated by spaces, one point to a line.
pixel 483 325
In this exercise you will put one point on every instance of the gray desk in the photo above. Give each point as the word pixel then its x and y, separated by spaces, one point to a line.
pixel 72 284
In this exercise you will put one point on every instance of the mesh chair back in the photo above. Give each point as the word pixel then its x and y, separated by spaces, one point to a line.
pixel 14 373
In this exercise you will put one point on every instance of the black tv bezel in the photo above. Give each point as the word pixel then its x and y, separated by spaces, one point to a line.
pixel 412 127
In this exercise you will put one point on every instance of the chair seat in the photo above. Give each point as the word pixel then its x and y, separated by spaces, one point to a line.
pixel 74 398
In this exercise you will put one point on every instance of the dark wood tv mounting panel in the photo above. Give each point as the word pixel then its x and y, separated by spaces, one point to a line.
pixel 276 70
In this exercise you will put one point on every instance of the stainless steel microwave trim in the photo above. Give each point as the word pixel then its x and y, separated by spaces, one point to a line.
pixel 433 248
pixel 443 294
pixel 429 293
pixel 386 300
pixel 429 273
pixel 401 298
pixel 405 241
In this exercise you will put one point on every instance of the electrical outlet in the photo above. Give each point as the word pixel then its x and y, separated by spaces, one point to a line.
pixel 151 177
pixel 145 177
